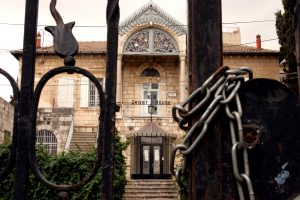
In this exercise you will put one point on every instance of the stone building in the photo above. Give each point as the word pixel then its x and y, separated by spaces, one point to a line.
pixel 151 74
pixel 6 119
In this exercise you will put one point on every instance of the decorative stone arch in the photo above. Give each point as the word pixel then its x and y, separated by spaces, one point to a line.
pixel 123 40
pixel 54 131
pixel 155 65
pixel 147 25
pixel 47 127
pixel 148 16
pixel 150 72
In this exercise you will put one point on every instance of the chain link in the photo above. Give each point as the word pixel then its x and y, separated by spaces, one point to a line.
pixel 218 91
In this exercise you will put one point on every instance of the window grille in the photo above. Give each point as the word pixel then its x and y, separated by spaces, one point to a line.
pixel 48 140
pixel 151 40
pixel 93 93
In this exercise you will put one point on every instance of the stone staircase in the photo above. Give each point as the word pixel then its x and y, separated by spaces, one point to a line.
pixel 154 189
pixel 82 141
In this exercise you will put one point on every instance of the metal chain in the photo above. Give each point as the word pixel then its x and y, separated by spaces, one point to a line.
pixel 219 90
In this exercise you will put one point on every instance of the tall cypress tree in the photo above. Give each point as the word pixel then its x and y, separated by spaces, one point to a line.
pixel 285 28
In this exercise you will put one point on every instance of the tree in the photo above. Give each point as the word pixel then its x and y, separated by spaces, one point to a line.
pixel 285 28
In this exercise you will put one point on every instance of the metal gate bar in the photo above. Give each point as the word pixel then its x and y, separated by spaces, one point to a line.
pixel 112 20
pixel 207 174
pixel 22 155
pixel 204 57
pixel 26 93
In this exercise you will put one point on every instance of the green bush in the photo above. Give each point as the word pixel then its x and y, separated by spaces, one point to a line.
pixel 67 168
pixel 183 187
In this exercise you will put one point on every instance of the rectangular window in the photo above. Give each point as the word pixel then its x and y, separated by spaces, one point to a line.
pixel 150 93
pixel 65 96
pixel 93 93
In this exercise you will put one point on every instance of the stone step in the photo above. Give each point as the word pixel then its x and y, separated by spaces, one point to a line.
pixel 141 197
pixel 152 189
pixel 82 141
pixel 153 194
pixel 151 181
pixel 151 198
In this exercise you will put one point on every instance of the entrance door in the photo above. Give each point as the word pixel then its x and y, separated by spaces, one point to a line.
pixel 151 161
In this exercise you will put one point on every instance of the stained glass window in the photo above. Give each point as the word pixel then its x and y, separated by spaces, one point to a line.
pixel 151 41
pixel 138 42
pixel 163 42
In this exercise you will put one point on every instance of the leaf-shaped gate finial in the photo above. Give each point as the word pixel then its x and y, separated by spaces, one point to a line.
pixel 65 44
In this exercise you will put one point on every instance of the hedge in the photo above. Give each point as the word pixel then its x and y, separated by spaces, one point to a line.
pixel 67 168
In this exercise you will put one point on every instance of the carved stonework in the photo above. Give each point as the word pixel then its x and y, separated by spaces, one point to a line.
pixel 151 41
pixel 138 42
pixel 151 14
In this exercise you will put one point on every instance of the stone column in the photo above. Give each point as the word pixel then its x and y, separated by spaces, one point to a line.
pixel 119 80
pixel 182 77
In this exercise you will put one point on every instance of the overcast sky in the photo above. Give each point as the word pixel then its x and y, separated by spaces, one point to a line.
pixel 92 13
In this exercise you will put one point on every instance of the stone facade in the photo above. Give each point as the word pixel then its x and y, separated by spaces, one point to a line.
pixel 58 121
pixel 262 66
pixel 65 105
pixel 6 119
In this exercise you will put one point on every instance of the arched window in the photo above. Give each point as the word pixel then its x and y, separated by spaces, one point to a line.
pixel 151 41
pixel 48 140
pixel 150 72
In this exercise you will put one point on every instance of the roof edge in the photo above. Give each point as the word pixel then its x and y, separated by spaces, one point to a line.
pixel 127 24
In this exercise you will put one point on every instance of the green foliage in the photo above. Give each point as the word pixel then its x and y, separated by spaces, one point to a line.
pixel 68 168
pixel 183 181
pixel 285 28
pixel 183 187
pixel 6 186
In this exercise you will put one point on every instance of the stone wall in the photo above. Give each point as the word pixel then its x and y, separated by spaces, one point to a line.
pixel 6 119
pixel 49 98
pixel 130 118
pixel 262 66
pixel 58 121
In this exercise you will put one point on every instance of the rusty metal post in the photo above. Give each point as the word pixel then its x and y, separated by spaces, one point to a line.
pixel 297 38
pixel 26 93
pixel 204 57
pixel 112 19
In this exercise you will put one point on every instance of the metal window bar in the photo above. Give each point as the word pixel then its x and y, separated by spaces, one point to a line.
pixel 93 93
pixel 48 140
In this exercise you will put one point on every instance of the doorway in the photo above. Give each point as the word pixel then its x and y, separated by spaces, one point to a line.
pixel 150 158
pixel 151 163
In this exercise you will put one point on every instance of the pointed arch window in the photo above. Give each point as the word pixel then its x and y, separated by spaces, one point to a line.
pixel 151 41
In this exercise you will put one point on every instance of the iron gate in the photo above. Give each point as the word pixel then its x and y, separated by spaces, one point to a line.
pixel 204 35
pixel 22 155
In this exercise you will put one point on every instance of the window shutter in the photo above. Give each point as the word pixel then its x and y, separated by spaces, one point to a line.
pixel 65 93
pixel 84 92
